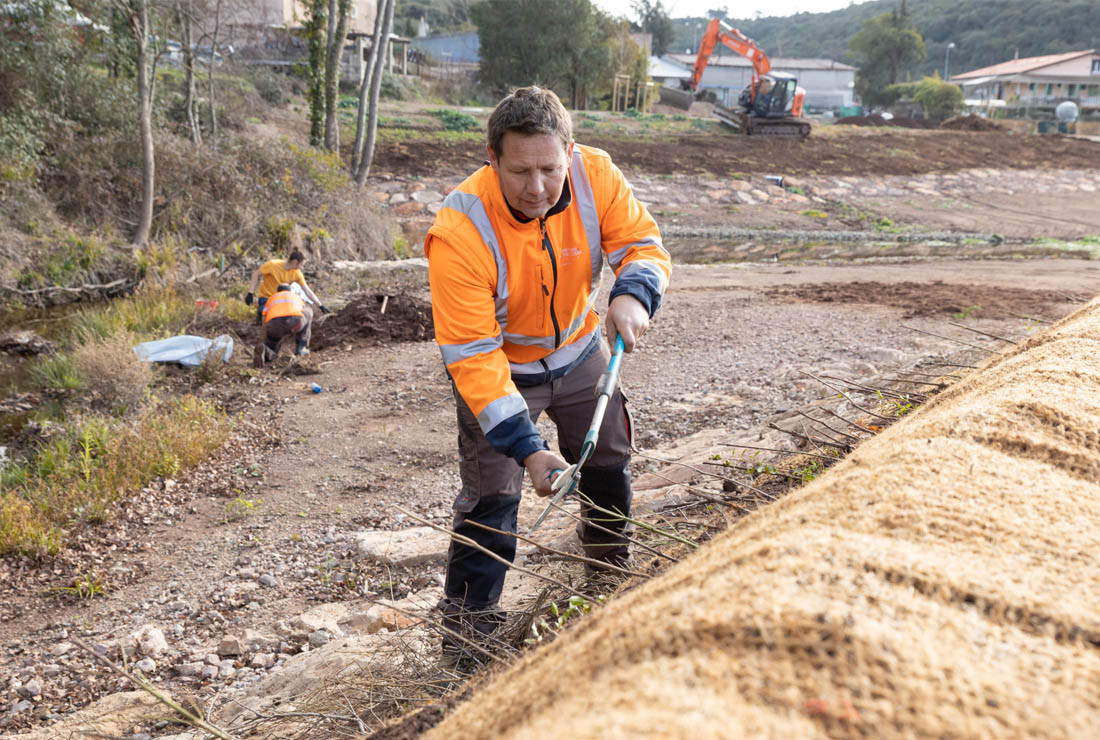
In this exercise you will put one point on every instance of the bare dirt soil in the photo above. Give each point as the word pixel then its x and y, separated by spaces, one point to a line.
pixel 866 151
pixel 935 298
pixel 377 318
pixel 267 529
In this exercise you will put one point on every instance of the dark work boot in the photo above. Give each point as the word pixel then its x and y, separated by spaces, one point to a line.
pixel 466 631
pixel 475 580
pixel 608 488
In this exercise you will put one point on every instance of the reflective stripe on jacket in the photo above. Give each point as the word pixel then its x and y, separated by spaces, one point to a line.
pixel 514 299
pixel 282 304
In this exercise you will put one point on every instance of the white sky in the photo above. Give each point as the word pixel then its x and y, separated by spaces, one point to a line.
pixel 737 8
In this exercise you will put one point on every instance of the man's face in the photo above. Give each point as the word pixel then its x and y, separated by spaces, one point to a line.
pixel 532 169
pixel 294 264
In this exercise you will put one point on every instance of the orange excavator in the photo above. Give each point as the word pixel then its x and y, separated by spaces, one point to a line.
pixel 772 103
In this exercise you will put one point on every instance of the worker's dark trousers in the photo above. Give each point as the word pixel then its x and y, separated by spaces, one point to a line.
pixel 279 329
pixel 491 488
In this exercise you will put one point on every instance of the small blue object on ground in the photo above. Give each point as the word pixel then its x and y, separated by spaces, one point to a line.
pixel 315 388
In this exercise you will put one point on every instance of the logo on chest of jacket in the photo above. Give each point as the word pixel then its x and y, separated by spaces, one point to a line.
pixel 570 254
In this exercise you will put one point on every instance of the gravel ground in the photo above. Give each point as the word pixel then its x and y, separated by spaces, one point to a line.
pixel 266 532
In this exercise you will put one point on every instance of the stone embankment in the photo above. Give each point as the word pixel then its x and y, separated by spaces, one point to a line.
pixel 411 198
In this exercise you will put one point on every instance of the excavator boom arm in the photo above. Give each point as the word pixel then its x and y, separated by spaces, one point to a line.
pixel 734 39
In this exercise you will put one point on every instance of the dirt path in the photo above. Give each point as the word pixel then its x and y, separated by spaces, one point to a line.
pixel 724 354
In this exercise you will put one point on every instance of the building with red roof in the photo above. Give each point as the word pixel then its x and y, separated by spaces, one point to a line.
pixel 1042 81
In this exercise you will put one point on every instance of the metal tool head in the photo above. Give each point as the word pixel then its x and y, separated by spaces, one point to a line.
pixel 563 485
pixel 566 479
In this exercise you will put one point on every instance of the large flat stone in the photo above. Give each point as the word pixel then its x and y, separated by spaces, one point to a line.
pixel 404 546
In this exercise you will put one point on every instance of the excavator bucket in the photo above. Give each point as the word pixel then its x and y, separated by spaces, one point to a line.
pixel 681 99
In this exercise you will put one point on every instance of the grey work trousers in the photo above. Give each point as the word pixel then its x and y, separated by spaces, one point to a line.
pixel 491 482
pixel 277 330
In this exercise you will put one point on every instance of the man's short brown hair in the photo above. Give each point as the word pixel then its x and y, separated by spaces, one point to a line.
pixel 530 110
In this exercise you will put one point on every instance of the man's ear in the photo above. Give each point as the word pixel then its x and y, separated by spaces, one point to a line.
pixel 492 158
pixel 569 151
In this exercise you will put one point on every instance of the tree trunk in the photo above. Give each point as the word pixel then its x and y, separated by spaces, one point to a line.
pixel 365 86
pixel 315 40
pixel 139 23
pixel 338 34
pixel 375 87
pixel 210 79
pixel 185 14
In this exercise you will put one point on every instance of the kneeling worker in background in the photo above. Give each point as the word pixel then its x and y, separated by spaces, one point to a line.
pixel 285 313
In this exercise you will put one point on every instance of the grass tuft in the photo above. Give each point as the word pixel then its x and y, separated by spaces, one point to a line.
pixel 56 372
pixel 151 313
pixel 79 472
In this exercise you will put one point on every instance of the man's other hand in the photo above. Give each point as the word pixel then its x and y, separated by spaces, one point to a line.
pixel 541 465
pixel 326 310
pixel 248 300
pixel 627 317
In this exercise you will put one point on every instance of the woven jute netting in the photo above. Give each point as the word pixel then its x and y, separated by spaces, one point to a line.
pixel 940 582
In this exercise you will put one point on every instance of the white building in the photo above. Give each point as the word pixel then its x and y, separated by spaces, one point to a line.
pixel 1036 81
pixel 828 84
pixel 667 73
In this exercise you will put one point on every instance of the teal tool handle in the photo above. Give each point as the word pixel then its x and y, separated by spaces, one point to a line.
pixel 606 385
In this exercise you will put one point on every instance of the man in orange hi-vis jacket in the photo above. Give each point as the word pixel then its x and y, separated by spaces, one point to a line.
pixel 515 258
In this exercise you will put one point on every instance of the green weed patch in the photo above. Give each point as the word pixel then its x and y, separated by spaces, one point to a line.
pixel 149 314
pixel 82 468
pixel 454 120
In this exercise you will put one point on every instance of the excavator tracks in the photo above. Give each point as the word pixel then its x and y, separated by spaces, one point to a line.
pixel 780 128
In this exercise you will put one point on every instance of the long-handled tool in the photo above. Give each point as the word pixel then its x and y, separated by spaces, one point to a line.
pixel 565 481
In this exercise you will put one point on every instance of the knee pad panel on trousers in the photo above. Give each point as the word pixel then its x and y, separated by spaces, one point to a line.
pixel 608 488
pixel 473 578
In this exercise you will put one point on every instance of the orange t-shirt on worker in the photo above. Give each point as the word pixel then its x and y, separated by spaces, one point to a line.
pixel 275 274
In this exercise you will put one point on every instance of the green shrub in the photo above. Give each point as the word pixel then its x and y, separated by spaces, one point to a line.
pixel 68 260
pixel 454 120
pixel 21 142
pixel 399 87
pixel 273 87
pixel 940 100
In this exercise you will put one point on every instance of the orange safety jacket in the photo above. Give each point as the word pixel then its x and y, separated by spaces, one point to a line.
pixel 283 303
pixel 513 299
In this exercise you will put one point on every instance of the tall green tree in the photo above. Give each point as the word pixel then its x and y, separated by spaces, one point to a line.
pixel 576 50
pixel 884 47
pixel 653 18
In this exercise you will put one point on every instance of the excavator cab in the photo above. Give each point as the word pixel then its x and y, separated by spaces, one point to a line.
pixel 777 95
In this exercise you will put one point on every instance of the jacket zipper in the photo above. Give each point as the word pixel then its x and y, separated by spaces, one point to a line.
pixel 554 274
